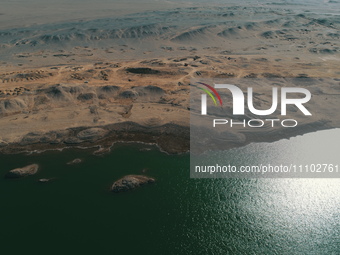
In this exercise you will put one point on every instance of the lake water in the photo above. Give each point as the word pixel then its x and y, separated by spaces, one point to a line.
pixel 77 214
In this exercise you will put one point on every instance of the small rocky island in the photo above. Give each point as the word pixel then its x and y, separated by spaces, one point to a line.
pixel 23 171
pixel 130 182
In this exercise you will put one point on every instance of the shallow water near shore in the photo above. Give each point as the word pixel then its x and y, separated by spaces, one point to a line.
pixel 77 214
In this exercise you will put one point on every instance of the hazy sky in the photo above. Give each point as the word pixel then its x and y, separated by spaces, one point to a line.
pixel 20 13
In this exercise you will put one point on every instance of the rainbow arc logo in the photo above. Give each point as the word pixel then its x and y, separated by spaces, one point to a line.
pixel 210 94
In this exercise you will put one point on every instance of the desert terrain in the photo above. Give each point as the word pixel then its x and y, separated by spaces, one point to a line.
pixel 127 78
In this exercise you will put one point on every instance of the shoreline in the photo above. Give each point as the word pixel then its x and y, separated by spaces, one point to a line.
pixel 162 137
pixel 157 136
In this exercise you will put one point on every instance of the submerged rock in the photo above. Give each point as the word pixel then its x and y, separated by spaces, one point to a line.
pixel 130 182
pixel 102 151
pixel 22 172
pixel 75 161
pixel 45 180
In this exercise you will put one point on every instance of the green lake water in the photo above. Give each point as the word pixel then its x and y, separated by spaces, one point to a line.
pixel 77 214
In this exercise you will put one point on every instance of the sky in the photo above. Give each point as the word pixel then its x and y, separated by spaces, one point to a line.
pixel 21 13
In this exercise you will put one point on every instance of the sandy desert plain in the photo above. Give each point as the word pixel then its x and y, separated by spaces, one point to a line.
pixel 125 76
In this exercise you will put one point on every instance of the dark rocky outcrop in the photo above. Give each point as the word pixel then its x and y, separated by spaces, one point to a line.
pixel 11 106
pixel 109 89
pixel 171 138
pixel 86 96
pixel 128 94
pixel 22 172
pixel 130 182
pixel 142 70
pixel 92 134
